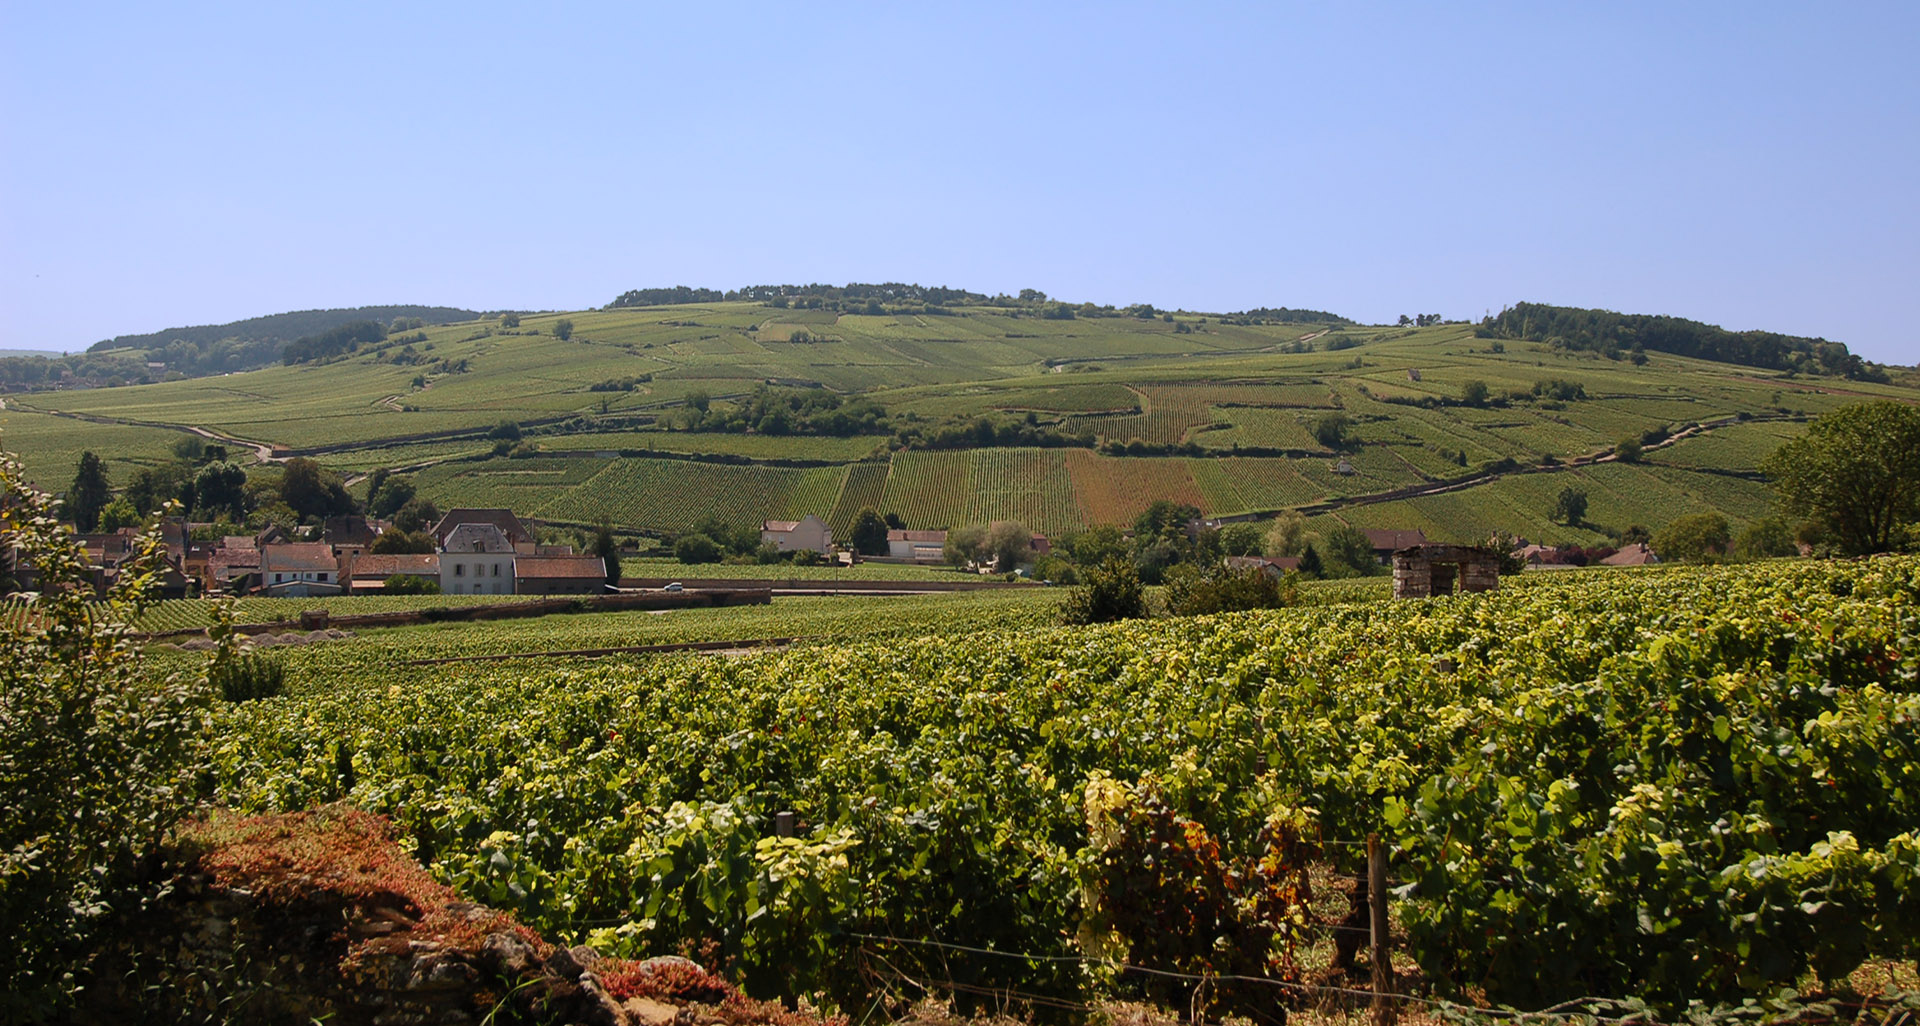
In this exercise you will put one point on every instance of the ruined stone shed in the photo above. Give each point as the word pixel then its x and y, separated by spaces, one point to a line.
pixel 1423 571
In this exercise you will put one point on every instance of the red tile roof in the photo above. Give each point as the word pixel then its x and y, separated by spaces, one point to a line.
pixel 381 566
pixel 559 567
pixel 298 558
pixel 1383 540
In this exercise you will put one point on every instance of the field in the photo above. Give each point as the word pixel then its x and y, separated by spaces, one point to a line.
pixel 1237 395
pixel 1729 754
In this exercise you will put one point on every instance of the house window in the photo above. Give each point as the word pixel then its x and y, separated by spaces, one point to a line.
pixel 323 577
pixel 459 570
pixel 277 578
pixel 496 569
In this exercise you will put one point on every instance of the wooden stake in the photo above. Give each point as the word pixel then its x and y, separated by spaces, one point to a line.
pixel 1384 1013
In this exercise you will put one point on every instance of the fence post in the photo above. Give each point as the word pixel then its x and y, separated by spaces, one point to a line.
pixel 1383 1013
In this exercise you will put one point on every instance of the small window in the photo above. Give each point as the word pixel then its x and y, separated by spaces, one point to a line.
pixel 459 570
pixel 496 569
pixel 277 578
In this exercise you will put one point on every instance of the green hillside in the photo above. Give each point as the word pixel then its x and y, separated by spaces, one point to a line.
pixel 982 412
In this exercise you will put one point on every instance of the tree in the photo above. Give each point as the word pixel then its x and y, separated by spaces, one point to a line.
pixel 1096 545
pixel 1695 538
pixel 506 431
pixel 1856 472
pixel 1008 544
pixel 509 320
pixel 1163 518
pixel 964 545
pixel 311 491
pixel 89 493
pixel 1474 393
pixel 1288 535
pixel 608 550
pixel 1333 431
pixel 118 514
pixel 1112 592
pixel 1243 539
pixel 416 514
pixel 869 537
pixel 386 499
pixel 1311 565
pixel 220 489
pixel 1629 449
pixel 402 543
pixel 1570 507
pixel 696 548
pixel 563 329
pixel 1765 539
pixel 1349 553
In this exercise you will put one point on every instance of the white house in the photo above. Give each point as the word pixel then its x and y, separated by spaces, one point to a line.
pixel 476 559
pixel 798 535
pixel 918 546
pixel 299 569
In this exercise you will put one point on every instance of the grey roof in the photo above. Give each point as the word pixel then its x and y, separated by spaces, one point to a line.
pixel 477 538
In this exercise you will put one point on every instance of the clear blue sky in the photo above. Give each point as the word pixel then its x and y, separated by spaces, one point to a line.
pixel 1751 164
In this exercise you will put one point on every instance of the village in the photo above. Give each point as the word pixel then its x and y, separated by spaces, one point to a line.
pixel 492 551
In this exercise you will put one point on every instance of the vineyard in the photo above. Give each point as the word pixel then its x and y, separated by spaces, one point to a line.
pixel 1687 784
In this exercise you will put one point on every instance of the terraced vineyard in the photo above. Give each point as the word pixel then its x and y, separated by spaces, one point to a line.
pixel 1195 380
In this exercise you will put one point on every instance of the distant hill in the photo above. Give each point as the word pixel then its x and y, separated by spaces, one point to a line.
pixel 45 354
pixel 283 327
pixel 1617 335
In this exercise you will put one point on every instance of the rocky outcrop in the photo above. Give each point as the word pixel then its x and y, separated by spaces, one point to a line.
pixel 320 916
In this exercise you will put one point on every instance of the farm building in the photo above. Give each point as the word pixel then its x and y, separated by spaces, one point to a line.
pixel 367 574
pixel 1272 565
pixel 1633 555
pixel 1385 543
pixel 1429 570
pixel 476 559
pixel 809 533
pixel 298 570
pixel 918 546
pixel 559 575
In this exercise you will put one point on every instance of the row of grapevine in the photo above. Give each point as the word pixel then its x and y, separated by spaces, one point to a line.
pixel 1686 784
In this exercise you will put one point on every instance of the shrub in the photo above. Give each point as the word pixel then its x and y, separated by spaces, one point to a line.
pixel 1112 592
pixel 99 756
pixel 1197 591
pixel 696 548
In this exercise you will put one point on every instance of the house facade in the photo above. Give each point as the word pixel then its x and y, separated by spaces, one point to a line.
pixel 809 533
pixel 917 546
pixel 298 570
pixel 476 559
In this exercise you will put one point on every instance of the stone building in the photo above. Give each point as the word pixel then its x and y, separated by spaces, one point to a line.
pixel 1423 571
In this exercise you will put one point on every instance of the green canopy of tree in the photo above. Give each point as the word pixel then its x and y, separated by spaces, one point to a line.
pixel 869 535
pixel 1694 538
pixel 89 493
pixel 402 543
pixel 1348 553
pixel 1855 472
pixel 313 491
pixel 1569 507
pixel 1110 591
pixel 1615 334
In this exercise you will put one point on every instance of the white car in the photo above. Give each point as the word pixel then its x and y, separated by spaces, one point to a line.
pixel 674 586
